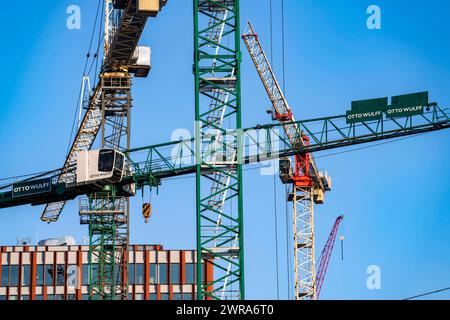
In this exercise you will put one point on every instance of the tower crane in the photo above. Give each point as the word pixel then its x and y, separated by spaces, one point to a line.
pixel 326 255
pixel 308 183
pixel 109 112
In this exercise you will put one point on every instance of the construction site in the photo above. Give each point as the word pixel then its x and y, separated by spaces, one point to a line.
pixel 224 150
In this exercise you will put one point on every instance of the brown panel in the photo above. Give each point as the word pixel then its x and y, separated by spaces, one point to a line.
pixel 78 290
pixel 19 293
pixel 182 268
pixel 33 275
pixel 1 255
pixel 66 263
pixel 158 292
pixel 208 275
pixel 147 275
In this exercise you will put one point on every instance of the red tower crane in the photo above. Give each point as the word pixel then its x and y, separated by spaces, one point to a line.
pixel 326 255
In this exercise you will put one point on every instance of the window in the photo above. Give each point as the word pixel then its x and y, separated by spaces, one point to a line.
pixel 139 296
pixel 164 296
pixel 39 297
pixel 25 297
pixel 40 275
pixel 26 277
pixel 187 296
pixel 14 277
pixel 153 274
pixel 85 297
pixel 71 297
pixel 12 297
pixel 2 298
pixel 105 160
pixel 85 276
pixel 177 296
pixel 190 273
pixel 140 277
pixel 5 276
pixel 60 274
pixel 131 273
pixel 162 273
pixel 153 296
pixel 119 161
pixel 49 275
pixel 174 273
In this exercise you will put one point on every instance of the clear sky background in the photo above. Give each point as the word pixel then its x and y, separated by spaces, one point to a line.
pixel 394 197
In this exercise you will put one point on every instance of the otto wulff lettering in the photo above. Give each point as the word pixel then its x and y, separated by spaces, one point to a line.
pixel 400 106
pixel 31 187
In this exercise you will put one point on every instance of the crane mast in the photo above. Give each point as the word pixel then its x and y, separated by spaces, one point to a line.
pixel 218 169
pixel 307 185
pixel 326 255
pixel 106 211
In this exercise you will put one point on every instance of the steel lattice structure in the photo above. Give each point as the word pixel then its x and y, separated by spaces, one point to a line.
pixel 218 110
pixel 306 177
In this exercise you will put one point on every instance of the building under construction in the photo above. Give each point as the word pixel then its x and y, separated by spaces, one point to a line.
pixel 62 273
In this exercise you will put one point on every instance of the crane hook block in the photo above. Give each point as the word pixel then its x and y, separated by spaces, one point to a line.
pixel 147 211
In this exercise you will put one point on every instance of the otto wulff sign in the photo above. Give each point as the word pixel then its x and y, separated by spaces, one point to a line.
pixel 401 106
pixel 27 188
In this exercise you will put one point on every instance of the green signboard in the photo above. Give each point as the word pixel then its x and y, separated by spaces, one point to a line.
pixel 27 188
pixel 407 105
pixel 367 110
pixel 401 106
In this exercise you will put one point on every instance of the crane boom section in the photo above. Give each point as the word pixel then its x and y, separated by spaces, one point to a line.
pixel 283 112
pixel 158 162
pixel 326 255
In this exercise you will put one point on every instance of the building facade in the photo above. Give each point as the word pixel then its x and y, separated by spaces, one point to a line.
pixel 62 273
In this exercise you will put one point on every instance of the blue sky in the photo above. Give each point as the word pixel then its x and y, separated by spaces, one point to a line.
pixel 394 197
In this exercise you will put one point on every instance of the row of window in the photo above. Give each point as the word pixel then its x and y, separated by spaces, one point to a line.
pixel 138 296
pixel 48 275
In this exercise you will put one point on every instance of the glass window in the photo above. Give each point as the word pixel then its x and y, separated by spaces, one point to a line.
pixel 85 297
pixel 39 275
pixel 187 296
pixel 2 298
pixel 25 297
pixel 153 296
pixel 162 273
pixel 85 276
pixel 14 277
pixel 49 275
pixel 51 297
pixel 153 275
pixel 130 296
pixel 177 296
pixel 105 160
pixel 119 161
pixel 12 297
pixel 39 297
pixel 190 273
pixel 174 273
pixel 164 296
pixel 71 297
pixel 60 274
pixel 139 296
pixel 140 277
pixel 59 297
pixel 5 276
pixel 26 275
pixel 131 273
